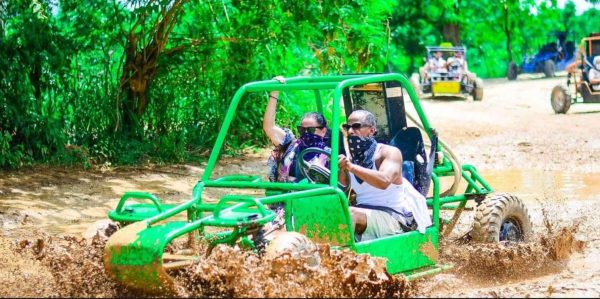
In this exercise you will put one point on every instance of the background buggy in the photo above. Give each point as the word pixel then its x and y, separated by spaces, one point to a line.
pixel 452 81
pixel 551 57
pixel 577 89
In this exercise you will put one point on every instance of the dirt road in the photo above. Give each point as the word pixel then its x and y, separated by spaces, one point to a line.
pixel 513 137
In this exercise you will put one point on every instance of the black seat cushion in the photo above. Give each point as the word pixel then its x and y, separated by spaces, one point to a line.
pixel 410 142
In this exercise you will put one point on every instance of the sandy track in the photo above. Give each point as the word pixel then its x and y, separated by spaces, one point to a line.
pixel 513 137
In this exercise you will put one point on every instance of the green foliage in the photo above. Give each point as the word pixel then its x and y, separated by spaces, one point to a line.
pixel 64 97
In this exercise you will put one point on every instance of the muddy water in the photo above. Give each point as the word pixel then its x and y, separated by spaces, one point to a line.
pixel 70 266
pixel 43 265
pixel 567 185
pixel 56 264
pixel 533 183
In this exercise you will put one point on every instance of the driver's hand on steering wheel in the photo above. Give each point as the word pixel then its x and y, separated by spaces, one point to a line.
pixel 344 163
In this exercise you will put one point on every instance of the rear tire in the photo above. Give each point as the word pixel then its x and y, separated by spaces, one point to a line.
pixel 512 71
pixel 478 90
pixel 549 68
pixel 502 217
pixel 560 99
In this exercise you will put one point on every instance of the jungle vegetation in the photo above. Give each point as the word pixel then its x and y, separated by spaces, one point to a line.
pixel 86 82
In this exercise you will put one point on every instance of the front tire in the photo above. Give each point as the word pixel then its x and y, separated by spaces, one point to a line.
pixel 502 217
pixel 291 243
pixel 560 99
pixel 478 90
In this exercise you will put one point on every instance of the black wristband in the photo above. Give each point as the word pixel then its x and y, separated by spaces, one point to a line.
pixel 273 98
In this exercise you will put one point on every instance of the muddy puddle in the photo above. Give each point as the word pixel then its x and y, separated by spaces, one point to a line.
pixel 45 255
pixel 530 183
pixel 70 266
pixel 533 183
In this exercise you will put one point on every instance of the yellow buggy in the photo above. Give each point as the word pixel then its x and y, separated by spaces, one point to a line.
pixel 452 80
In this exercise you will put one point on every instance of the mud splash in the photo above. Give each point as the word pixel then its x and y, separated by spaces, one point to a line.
pixel 43 266
pixel 66 266
pixel 508 261
pixel 340 273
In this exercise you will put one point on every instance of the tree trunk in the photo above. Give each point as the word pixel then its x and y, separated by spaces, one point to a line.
pixel 451 32
pixel 141 61
pixel 35 76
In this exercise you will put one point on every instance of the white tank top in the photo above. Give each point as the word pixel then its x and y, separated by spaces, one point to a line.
pixel 391 197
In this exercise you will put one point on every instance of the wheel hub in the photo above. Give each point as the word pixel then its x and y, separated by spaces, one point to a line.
pixel 510 231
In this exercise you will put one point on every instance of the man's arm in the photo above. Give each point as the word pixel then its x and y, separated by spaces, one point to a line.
pixel 389 171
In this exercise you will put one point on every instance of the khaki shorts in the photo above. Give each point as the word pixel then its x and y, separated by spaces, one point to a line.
pixel 379 224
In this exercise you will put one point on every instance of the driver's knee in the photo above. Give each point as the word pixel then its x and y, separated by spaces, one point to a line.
pixel 359 220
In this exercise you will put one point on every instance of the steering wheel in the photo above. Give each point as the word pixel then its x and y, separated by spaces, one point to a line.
pixel 316 173
pixel 454 64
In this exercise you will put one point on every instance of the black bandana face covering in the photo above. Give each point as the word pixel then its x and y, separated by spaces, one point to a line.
pixel 307 140
pixel 362 150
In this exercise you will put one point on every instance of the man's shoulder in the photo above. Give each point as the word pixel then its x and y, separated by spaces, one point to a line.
pixel 389 150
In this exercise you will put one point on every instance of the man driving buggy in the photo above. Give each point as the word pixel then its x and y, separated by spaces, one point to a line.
pixel 387 204
pixel 459 64
pixel 435 64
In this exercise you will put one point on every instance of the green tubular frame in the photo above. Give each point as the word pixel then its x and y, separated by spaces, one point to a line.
pixel 137 253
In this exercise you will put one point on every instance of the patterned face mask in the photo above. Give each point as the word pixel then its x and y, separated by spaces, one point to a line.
pixel 307 140
pixel 362 150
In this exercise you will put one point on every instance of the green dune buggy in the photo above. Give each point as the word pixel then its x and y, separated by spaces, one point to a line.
pixel 316 206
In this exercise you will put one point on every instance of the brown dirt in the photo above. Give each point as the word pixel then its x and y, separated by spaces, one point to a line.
pixel 513 137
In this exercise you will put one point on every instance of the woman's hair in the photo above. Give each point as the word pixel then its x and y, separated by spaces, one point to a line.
pixel 317 117
pixel 320 119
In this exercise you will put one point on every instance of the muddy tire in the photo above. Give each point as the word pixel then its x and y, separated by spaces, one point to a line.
pixel 478 90
pixel 560 99
pixel 289 242
pixel 501 217
pixel 512 71
pixel 549 68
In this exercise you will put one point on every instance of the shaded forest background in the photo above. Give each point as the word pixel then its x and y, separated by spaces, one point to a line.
pixel 87 82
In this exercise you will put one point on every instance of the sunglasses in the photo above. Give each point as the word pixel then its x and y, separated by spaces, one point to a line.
pixel 354 126
pixel 310 130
